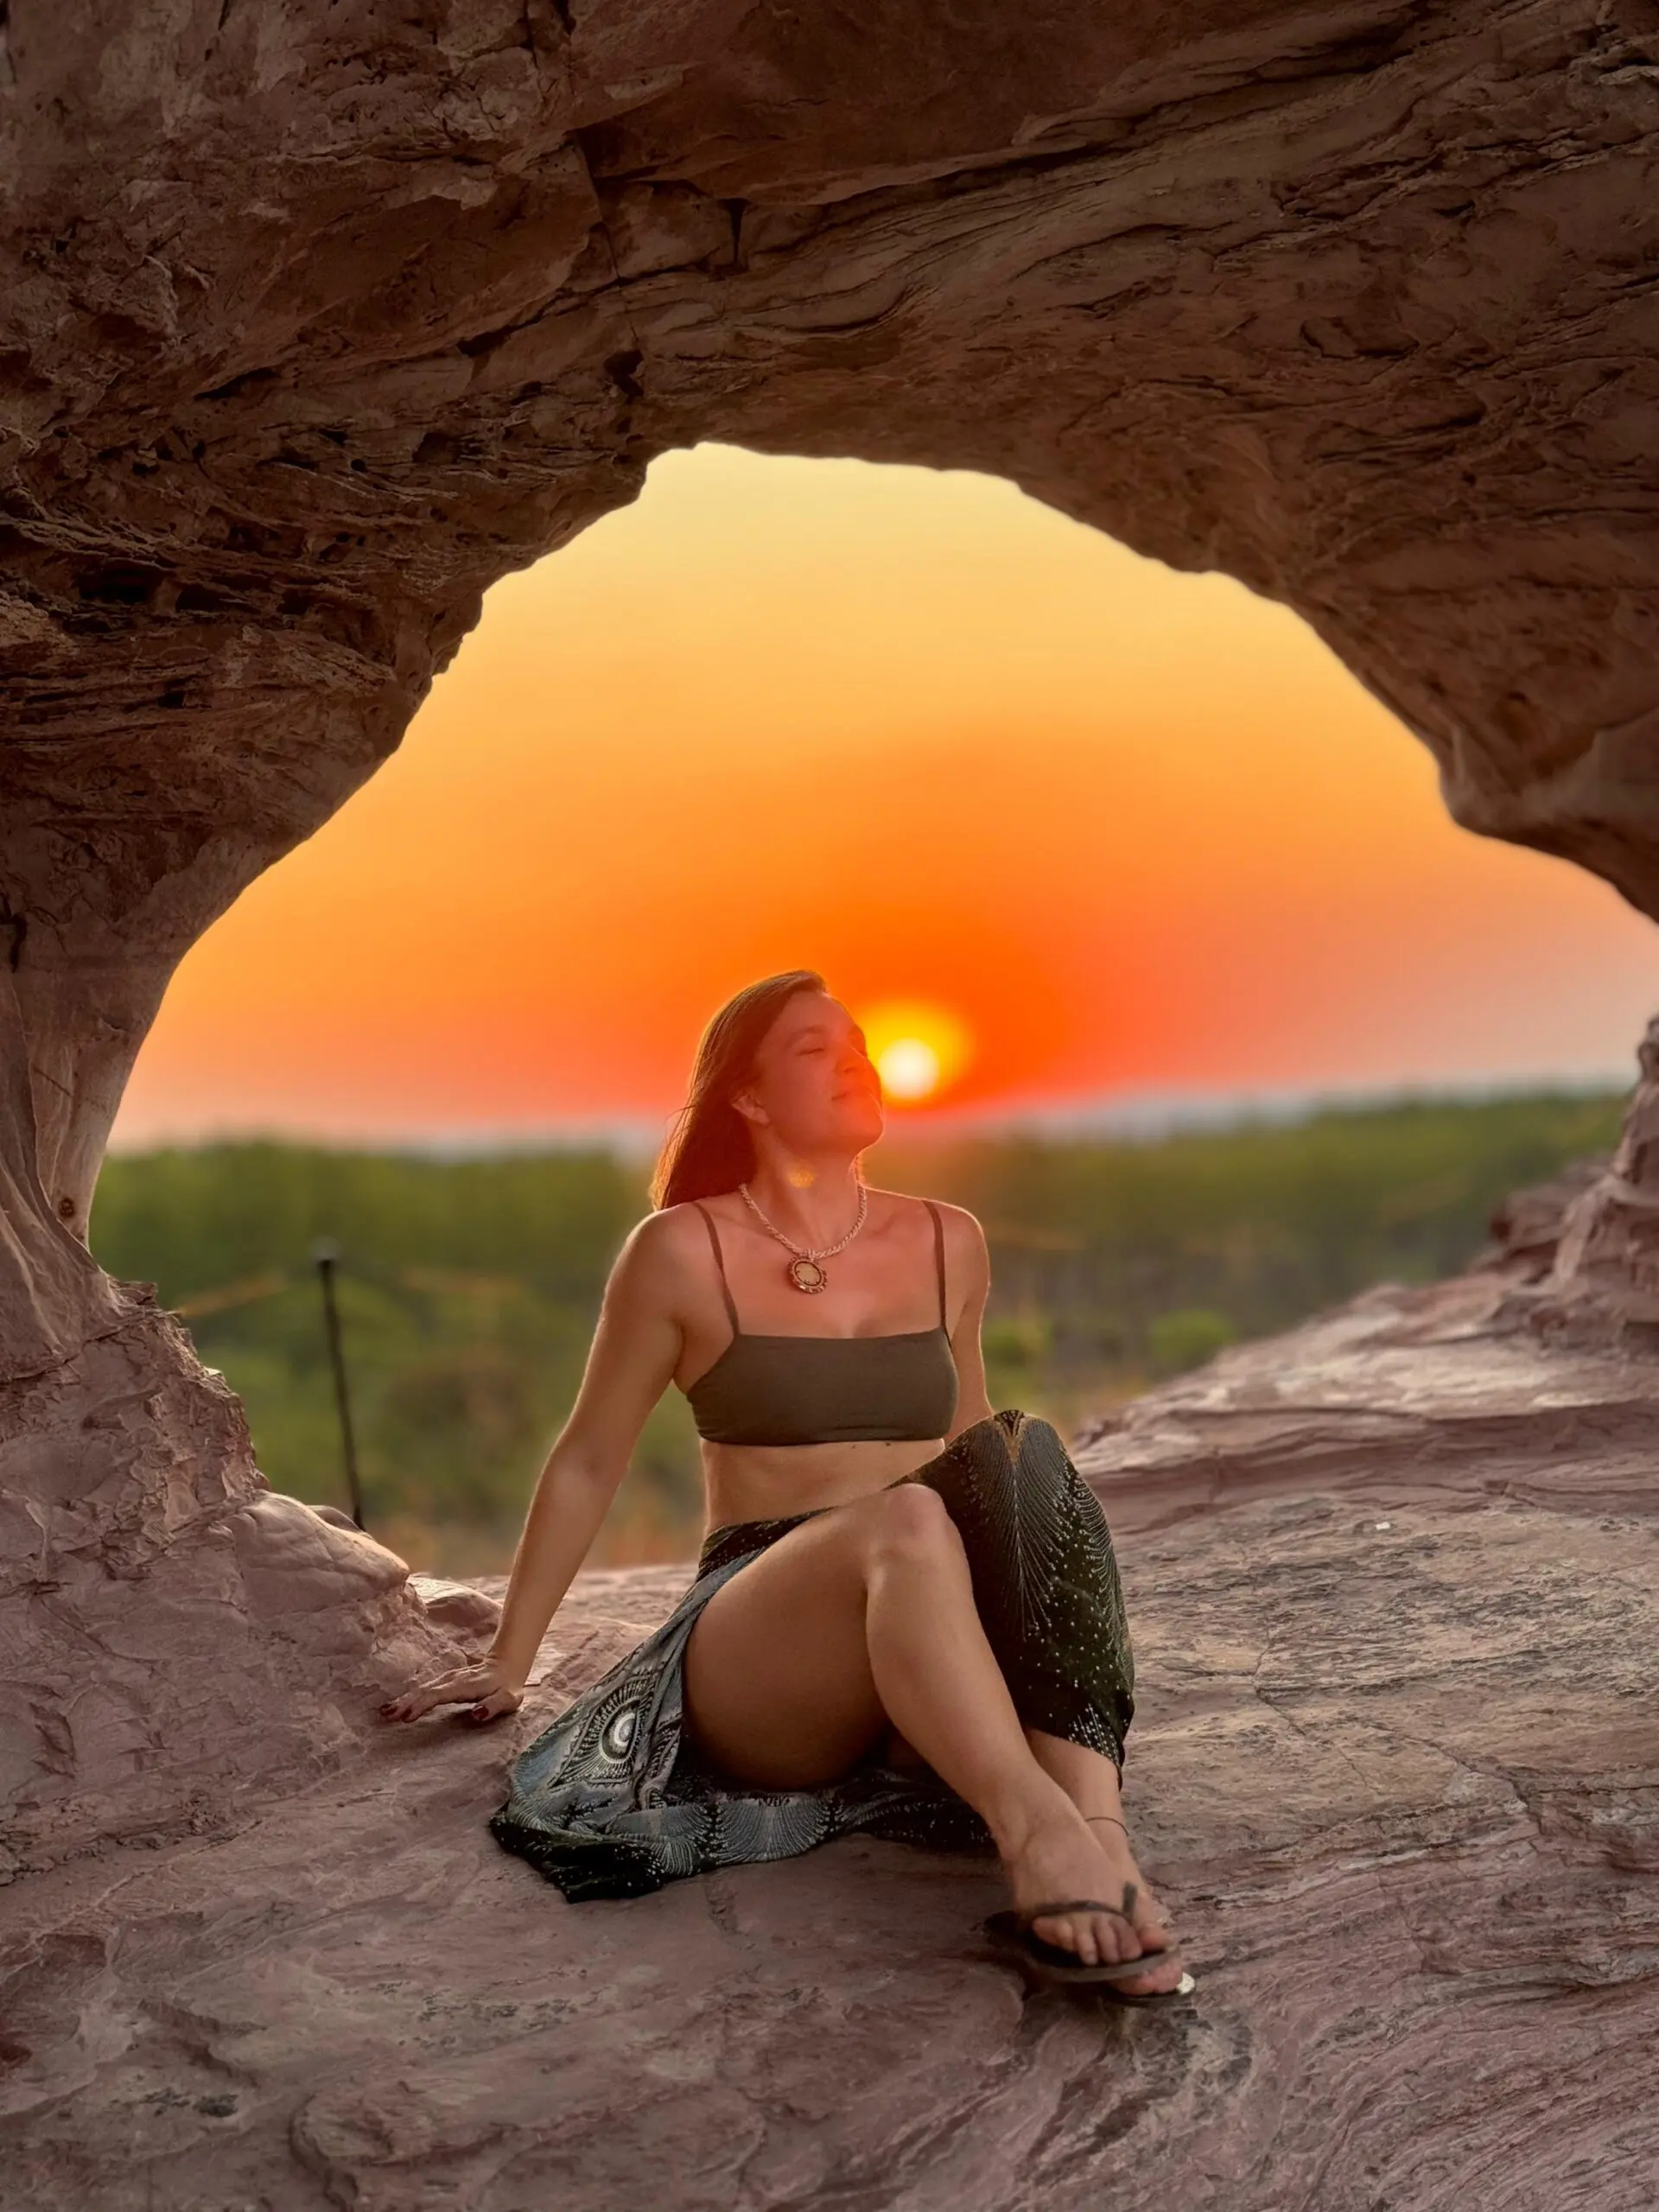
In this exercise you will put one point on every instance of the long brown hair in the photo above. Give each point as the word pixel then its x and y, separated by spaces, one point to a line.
pixel 709 1149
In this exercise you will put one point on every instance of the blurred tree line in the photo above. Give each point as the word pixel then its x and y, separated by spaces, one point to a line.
pixel 469 1288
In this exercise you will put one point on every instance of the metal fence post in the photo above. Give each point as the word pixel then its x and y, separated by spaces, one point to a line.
pixel 325 1253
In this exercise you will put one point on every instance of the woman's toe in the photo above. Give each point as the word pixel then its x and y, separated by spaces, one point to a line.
pixel 1162 1972
pixel 1067 1935
pixel 1157 1951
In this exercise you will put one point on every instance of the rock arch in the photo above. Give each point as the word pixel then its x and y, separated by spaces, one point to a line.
pixel 314 323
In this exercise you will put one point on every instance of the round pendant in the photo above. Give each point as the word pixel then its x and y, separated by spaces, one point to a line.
pixel 807 1275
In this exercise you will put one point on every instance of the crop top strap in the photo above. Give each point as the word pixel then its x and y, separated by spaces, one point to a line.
pixel 939 1257
pixel 725 1287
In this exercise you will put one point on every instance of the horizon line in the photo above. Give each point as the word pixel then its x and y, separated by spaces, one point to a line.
pixel 1144 1114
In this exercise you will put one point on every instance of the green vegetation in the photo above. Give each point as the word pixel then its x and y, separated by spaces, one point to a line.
pixel 469 1288
pixel 1186 1338
pixel 467 1294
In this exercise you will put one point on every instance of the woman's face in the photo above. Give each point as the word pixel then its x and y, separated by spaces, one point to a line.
pixel 814 1084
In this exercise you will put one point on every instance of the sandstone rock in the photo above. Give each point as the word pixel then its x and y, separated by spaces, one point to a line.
pixel 313 323
pixel 336 1516
pixel 171 1646
pixel 1394 1771
pixel 313 326
pixel 1526 1227
pixel 468 1613
pixel 1603 1279
pixel 1433 1392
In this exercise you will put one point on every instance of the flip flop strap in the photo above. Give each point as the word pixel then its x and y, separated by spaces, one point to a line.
pixel 1036 1912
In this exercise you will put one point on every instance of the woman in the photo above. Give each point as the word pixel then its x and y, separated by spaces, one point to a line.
pixel 935 1651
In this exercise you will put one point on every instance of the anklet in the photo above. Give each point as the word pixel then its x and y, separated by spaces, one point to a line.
pixel 1107 1817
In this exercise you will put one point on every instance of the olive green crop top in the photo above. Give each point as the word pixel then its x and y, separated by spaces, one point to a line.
pixel 828 1390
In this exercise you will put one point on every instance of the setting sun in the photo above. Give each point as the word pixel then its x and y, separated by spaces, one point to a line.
pixel 918 1048
pixel 910 1069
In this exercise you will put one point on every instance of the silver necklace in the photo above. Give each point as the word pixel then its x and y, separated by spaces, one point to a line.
pixel 804 1270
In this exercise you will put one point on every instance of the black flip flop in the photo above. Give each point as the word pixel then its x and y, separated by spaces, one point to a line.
pixel 1059 1968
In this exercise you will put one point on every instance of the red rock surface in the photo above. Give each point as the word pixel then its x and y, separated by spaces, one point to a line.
pixel 1395 1590
pixel 315 321
pixel 1393 1583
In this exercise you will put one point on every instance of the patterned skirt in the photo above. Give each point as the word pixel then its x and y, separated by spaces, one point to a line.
pixel 613 1799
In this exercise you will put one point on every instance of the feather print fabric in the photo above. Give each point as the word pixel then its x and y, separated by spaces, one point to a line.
pixel 612 1799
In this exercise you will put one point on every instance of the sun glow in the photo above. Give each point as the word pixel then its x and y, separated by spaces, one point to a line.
pixel 918 1049
pixel 1237 872
pixel 910 1069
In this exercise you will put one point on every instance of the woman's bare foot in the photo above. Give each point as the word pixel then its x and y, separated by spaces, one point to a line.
pixel 1070 1859
pixel 1150 1933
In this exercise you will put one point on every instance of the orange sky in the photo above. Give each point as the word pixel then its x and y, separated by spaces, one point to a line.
pixel 1136 831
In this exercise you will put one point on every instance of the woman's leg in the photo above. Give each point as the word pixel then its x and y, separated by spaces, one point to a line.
pixel 1047 1587
pixel 1045 1576
pixel 863 1618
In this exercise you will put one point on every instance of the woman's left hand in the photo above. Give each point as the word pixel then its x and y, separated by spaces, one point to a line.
pixel 494 1692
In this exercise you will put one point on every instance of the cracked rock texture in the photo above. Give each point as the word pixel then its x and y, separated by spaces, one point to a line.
pixel 1393 1583
pixel 313 321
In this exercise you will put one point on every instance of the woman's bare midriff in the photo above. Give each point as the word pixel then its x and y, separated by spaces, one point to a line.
pixel 768 1481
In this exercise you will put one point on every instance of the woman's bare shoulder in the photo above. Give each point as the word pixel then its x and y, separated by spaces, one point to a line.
pixel 960 1215
pixel 962 1228
pixel 660 1249
pixel 951 1212
pixel 667 1231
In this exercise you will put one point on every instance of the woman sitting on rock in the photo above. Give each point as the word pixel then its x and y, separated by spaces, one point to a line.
pixel 932 1652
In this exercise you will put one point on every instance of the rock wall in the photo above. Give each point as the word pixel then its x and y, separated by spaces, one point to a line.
pixel 313 322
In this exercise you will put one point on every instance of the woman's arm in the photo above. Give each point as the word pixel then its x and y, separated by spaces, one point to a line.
pixel 968 1283
pixel 635 1350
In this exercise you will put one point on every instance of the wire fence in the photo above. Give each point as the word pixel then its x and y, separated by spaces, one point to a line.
pixel 326 1263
